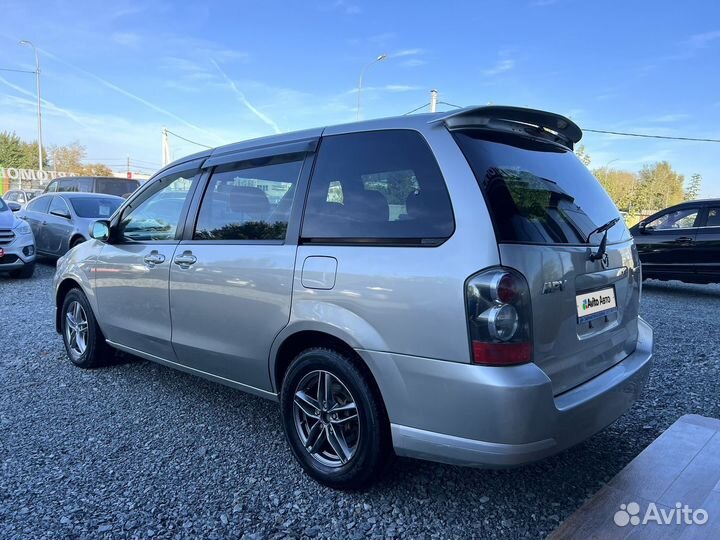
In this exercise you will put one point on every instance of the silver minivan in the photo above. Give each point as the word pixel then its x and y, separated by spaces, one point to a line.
pixel 454 287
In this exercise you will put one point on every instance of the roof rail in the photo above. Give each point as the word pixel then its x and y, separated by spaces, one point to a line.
pixel 486 116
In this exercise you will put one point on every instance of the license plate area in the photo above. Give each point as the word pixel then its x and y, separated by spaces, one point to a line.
pixel 597 304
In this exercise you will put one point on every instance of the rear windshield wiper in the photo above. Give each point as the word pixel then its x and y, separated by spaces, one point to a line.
pixel 603 243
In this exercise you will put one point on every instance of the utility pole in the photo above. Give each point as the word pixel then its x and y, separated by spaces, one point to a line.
pixel 39 109
pixel 165 147
pixel 129 174
pixel 433 100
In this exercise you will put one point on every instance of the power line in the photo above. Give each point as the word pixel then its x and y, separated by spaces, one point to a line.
pixel 446 103
pixel 187 140
pixel 652 136
pixel 417 109
pixel 16 70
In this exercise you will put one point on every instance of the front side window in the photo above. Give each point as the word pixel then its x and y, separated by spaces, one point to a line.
pixel 11 196
pixel 40 204
pixel 250 200
pixel 58 206
pixel 157 217
pixel 383 186
pixel 53 186
pixel 679 219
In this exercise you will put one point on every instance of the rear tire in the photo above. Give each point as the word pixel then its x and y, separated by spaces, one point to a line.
pixel 25 272
pixel 84 343
pixel 340 436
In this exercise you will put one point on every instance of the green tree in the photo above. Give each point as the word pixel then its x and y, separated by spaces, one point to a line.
pixel 14 152
pixel 582 154
pixel 69 158
pixel 620 185
pixel 692 190
pixel 659 186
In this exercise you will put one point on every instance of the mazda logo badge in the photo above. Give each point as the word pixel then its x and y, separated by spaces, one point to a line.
pixel 605 261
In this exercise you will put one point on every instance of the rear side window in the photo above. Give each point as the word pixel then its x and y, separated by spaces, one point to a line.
pixel 684 218
pixel 537 192
pixel 377 186
pixel 249 200
pixel 95 207
pixel 713 219
pixel 40 204
pixel 119 187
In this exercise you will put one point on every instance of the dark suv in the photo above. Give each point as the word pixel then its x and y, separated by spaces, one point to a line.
pixel 107 185
pixel 681 242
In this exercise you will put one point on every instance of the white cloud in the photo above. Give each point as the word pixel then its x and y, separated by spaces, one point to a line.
pixel 406 52
pixel 501 66
pixel 126 39
pixel 413 62
pixel 700 41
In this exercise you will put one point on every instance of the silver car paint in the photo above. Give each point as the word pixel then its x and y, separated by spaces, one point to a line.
pixel 402 309
pixel 13 243
pixel 54 234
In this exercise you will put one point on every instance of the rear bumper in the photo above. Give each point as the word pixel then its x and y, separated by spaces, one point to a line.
pixel 499 417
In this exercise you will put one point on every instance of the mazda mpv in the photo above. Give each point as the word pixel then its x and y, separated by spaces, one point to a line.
pixel 454 287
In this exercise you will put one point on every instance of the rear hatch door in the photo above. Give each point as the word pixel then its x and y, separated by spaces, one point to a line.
pixel 545 205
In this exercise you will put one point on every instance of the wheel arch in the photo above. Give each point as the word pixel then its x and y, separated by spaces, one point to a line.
pixel 294 340
pixel 75 237
pixel 64 287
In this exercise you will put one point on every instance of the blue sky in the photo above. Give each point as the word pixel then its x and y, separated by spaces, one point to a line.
pixel 114 74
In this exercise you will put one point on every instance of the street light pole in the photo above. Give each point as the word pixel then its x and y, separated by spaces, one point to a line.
pixel 39 108
pixel 360 82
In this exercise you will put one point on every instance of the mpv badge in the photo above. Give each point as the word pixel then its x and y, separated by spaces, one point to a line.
pixel 605 261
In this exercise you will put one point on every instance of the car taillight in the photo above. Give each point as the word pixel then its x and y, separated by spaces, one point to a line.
pixel 499 318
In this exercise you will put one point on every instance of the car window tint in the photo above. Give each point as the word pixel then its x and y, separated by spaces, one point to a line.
pixel 679 219
pixel 57 204
pixel 377 185
pixel 113 186
pixel 250 200
pixel 713 219
pixel 95 207
pixel 157 217
pixel 40 204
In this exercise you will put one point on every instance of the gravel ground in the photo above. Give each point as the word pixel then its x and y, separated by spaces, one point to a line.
pixel 136 450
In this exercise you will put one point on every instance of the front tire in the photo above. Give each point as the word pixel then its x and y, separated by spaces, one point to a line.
pixel 84 343
pixel 334 419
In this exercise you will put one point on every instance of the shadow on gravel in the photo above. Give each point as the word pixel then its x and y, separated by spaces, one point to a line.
pixel 674 287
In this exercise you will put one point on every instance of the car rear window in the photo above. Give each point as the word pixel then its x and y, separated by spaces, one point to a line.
pixel 119 187
pixel 377 187
pixel 94 207
pixel 537 192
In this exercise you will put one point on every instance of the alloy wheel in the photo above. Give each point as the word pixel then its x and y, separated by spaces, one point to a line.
pixel 326 418
pixel 76 329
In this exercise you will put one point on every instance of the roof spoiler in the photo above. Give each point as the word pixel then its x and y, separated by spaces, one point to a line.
pixel 502 117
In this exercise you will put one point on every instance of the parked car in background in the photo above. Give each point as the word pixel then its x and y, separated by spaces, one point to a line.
pixel 62 221
pixel 681 242
pixel 121 187
pixel 21 196
pixel 17 245
pixel 453 286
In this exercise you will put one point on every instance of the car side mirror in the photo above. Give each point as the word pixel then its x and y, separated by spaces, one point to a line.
pixel 100 230
pixel 60 213
pixel 15 207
